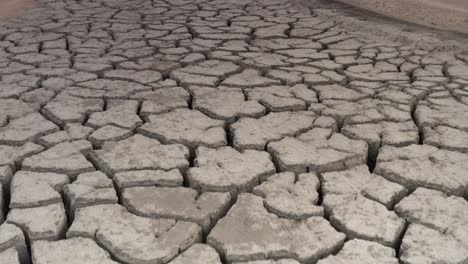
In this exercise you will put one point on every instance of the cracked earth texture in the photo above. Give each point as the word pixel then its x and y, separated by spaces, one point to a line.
pixel 222 131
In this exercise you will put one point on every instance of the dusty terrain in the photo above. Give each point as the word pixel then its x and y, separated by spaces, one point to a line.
pixel 13 8
pixel 442 14
pixel 230 131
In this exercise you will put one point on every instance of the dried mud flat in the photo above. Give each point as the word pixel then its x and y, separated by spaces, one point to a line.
pixel 221 131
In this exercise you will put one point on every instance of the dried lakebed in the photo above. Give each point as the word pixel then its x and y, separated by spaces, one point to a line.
pixel 219 131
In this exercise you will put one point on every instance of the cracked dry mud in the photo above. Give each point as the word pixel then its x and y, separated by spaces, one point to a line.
pixel 229 132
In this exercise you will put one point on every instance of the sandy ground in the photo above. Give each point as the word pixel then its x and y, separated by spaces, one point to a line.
pixel 443 14
pixel 12 8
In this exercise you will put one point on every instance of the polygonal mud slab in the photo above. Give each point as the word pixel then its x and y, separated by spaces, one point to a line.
pixel 425 245
pixel 324 122
pixel 65 158
pixel 443 121
pixel 283 98
pixel 291 197
pixel 424 166
pixel 204 73
pixel 189 127
pixel 362 111
pixel 32 189
pixel 288 78
pixel 198 254
pixel 210 68
pixel 38 223
pixel 432 73
pixel 343 186
pixel 74 251
pixel 13 108
pixel 12 155
pixel 305 53
pixel 338 92
pixel 371 73
pixel 12 90
pixel 382 134
pixel 178 203
pixel 228 170
pixel 263 60
pixel 26 128
pixel 76 131
pixel 172 178
pixel 114 89
pixel 34 58
pixel 442 112
pixel 249 232
pixel 224 36
pixel 185 79
pixel 446 138
pixel 248 78
pixel 66 108
pixel 328 77
pixel 358 251
pixel 134 239
pixel 120 113
pixel 39 96
pixel 283 43
pixel 90 189
pixel 140 153
pixel 10 256
pixel 407 95
pixel 360 217
pixel 164 67
pixel 458 70
pixel 50 140
pixel 162 100
pixel 143 77
pixel 434 209
pixel 367 219
pixel 20 79
pixel 12 238
pixel 227 104
pixel 250 133
pixel 109 133
pixel 317 150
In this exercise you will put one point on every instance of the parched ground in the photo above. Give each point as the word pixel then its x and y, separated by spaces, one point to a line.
pixel 224 131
